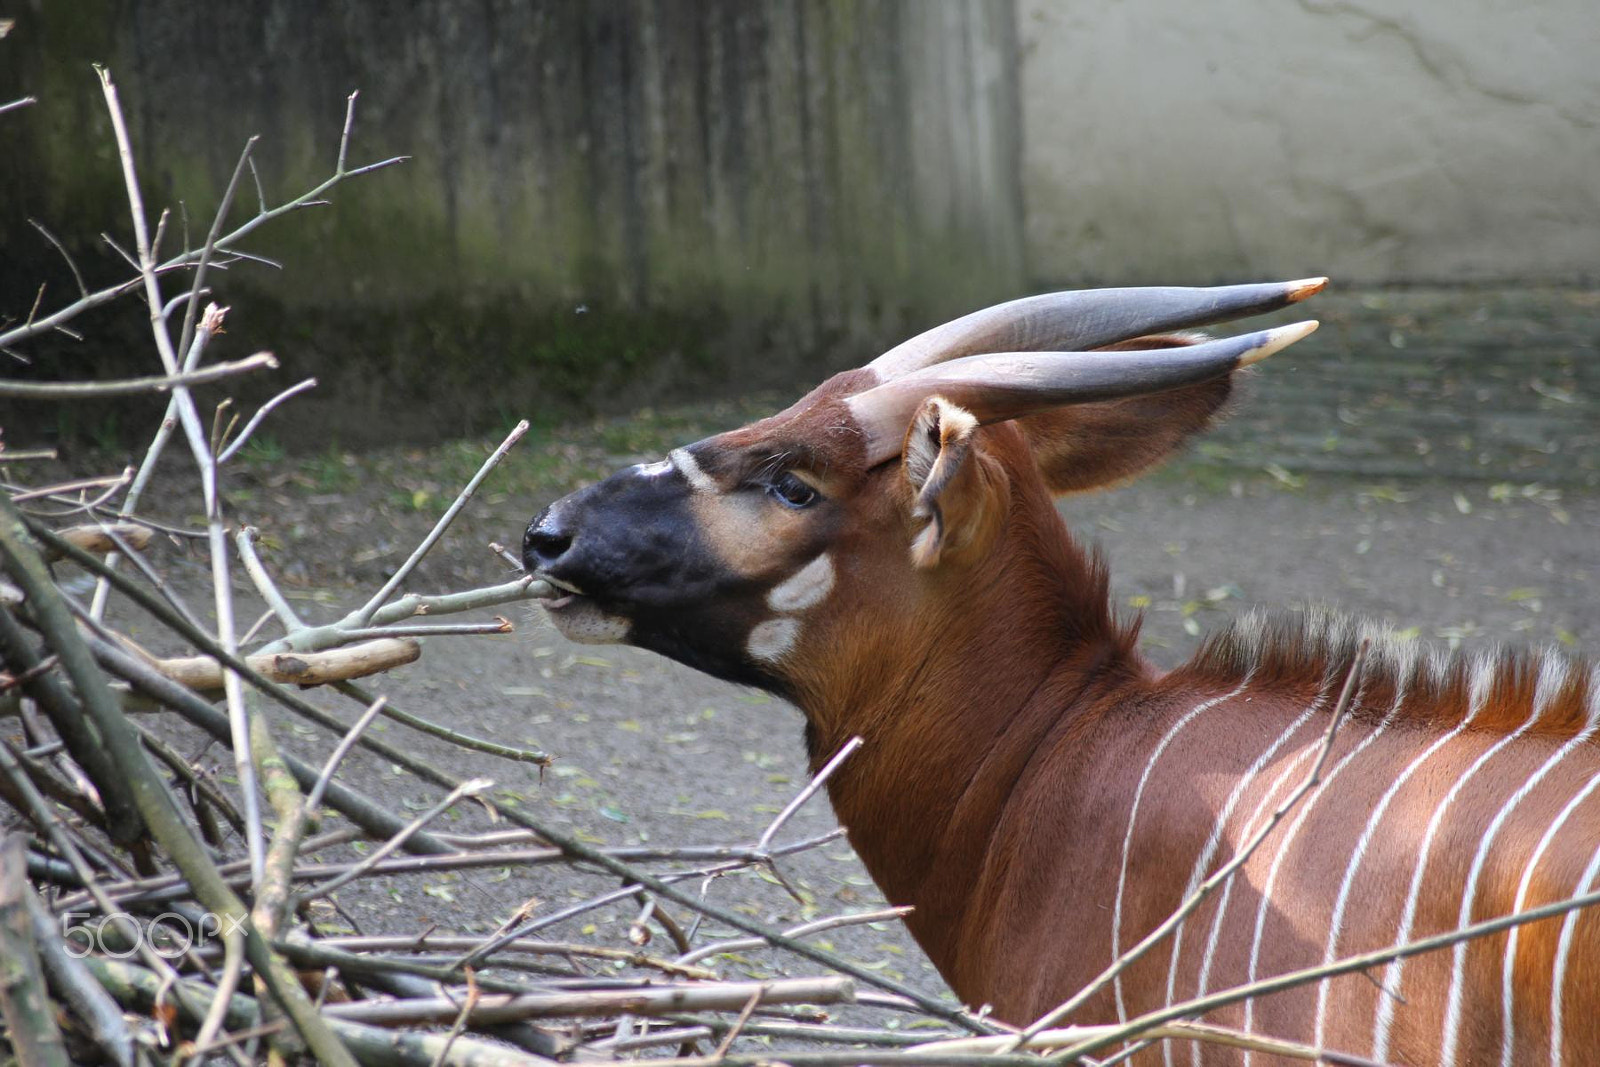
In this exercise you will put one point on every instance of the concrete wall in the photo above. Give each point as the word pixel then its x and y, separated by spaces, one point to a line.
pixel 726 189
pixel 1394 141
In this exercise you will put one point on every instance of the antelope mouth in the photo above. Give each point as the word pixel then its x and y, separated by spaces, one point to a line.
pixel 568 594
pixel 579 616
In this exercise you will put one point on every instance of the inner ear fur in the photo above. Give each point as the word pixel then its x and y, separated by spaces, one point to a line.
pixel 1091 446
pixel 951 482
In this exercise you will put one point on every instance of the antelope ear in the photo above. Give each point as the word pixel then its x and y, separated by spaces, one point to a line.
pixel 1091 446
pixel 952 483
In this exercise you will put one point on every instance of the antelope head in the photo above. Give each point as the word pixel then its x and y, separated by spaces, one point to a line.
pixel 881 509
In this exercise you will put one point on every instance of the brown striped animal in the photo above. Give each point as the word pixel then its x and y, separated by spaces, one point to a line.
pixel 886 554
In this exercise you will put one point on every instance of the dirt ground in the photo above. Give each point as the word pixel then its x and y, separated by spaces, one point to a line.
pixel 651 752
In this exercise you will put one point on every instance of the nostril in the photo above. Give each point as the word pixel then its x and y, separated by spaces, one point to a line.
pixel 544 543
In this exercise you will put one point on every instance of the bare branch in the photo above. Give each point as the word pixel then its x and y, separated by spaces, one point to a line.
pixel 18 390
pixel 245 539
pixel 102 539
pixel 48 236
pixel 209 248
pixel 344 137
pixel 261 413
pixel 204 673
pixel 470 788
pixel 314 797
pixel 364 616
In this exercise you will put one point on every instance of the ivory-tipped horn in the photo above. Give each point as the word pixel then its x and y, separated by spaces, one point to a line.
pixel 1082 319
pixel 1007 385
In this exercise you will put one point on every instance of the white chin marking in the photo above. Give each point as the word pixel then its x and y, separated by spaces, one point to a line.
pixel 771 640
pixel 805 588
pixel 697 478
pixel 588 625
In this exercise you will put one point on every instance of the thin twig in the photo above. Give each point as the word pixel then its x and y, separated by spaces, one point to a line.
pixel 469 788
pixel 364 616
pixel 261 413
pixel 411 605
pixel 342 749
pixel 156 807
pixel 738 1024
pixel 800 798
pixel 444 733
pixel 473 993
pixel 113 482
pixel 11 389
pixel 59 247
pixel 210 247
pixel 245 539
pixel 816 926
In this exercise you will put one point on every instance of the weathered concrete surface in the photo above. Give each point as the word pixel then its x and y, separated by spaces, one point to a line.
pixel 1418 140
pixel 718 186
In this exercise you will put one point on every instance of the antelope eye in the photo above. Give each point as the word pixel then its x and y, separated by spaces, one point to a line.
pixel 791 492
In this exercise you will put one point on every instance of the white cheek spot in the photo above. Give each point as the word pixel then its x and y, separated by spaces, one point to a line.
pixel 771 640
pixel 697 478
pixel 654 470
pixel 805 588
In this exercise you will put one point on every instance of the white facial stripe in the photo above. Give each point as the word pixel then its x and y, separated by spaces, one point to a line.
pixel 654 470
pixel 770 641
pixel 805 588
pixel 698 479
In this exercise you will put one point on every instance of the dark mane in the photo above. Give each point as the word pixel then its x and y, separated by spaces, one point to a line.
pixel 1433 685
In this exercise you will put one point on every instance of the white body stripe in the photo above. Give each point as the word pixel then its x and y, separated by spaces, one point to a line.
pixel 1394 973
pixel 1133 815
pixel 1558 977
pixel 698 479
pixel 1508 1030
pixel 1508 965
pixel 1552 678
pixel 1247 831
pixel 1337 920
pixel 1208 852
pixel 1306 804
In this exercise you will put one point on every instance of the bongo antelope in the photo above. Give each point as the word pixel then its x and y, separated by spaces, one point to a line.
pixel 886 554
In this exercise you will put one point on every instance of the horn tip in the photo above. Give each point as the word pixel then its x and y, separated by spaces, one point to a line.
pixel 1276 340
pixel 1304 287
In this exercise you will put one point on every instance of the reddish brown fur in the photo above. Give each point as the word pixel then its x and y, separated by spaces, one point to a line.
pixel 1009 788
pixel 1007 715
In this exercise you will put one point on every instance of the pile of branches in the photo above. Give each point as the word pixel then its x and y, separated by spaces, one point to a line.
pixel 151 909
